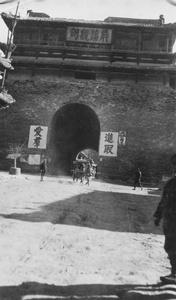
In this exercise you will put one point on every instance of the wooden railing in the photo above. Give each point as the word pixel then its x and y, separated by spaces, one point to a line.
pixel 110 55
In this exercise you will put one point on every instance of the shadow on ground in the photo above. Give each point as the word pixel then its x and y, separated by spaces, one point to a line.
pixel 112 211
pixel 34 290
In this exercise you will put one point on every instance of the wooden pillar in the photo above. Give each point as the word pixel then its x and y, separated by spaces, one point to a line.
pixel 167 45
pixel 139 42
pixel 39 35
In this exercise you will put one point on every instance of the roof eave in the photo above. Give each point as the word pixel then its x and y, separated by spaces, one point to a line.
pixel 9 19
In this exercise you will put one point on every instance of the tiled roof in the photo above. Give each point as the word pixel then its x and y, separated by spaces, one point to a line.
pixel 155 22
pixel 96 22
pixel 128 22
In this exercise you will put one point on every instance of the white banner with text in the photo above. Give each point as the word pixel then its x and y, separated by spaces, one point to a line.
pixel 38 137
pixel 108 144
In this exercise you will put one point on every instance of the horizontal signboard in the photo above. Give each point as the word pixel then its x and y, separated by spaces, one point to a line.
pixel 89 35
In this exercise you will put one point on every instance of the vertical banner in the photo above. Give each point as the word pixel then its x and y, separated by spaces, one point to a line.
pixel 122 138
pixel 108 144
pixel 37 137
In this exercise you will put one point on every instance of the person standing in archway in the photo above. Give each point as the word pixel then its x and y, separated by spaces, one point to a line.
pixel 82 172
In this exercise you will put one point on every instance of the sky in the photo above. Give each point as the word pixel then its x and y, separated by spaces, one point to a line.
pixel 91 9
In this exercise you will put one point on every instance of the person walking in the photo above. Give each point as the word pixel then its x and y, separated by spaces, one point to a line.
pixel 42 170
pixel 88 173
pixel 166 210
pixel 137 179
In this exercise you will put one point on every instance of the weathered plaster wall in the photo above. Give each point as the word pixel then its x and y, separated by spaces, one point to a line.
pixel 146 112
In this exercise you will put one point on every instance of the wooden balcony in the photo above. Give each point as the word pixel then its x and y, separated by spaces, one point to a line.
pixel 84 53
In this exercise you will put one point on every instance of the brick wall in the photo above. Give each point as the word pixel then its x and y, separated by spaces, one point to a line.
pixel 146 112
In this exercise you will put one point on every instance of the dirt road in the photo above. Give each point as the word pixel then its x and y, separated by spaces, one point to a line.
pixel 65 240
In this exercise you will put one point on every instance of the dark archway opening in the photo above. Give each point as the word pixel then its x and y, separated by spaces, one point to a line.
pixel 74 127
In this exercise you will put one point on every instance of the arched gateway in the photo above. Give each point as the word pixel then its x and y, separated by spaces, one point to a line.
pixel 74 127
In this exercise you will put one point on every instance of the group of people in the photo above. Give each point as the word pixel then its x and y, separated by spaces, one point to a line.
pixel 82 171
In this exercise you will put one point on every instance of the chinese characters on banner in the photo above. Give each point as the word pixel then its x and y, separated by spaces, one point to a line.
pixel 108 144
pixel 90 35
pixel 37 137
pixel 122 138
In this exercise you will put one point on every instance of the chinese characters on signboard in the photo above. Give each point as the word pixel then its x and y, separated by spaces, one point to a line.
pixel 108 144
pixel 37 137
pixel 89 35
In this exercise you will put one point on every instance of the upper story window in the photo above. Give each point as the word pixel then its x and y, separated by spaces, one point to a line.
pixel 141 41
pixel 154 43
pixel 149 43
pixel 162 44
pixel 39 36
pixel 49 39
pixel 126 44
pixel 26 37
pixel 52 37
pixel 125 41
